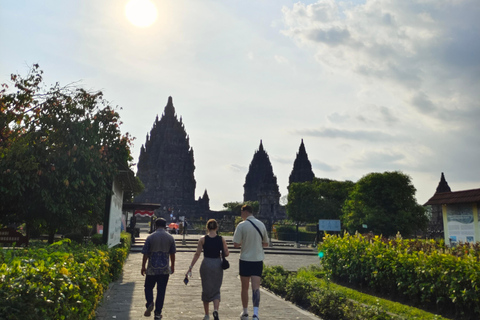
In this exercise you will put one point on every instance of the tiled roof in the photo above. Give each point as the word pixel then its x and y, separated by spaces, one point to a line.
pixel 465 196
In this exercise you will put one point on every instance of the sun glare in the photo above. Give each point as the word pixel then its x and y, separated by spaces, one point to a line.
pixel 141 13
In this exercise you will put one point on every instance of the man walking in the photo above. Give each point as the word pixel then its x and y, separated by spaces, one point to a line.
pixel 159 250
pixel 251 236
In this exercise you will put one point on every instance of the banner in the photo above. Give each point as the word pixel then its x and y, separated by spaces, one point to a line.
pixel 144 213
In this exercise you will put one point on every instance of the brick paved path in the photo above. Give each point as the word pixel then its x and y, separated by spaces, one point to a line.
pixel 125 298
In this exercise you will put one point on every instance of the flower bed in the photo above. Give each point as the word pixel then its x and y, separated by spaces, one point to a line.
pixel 423 272
pixel 60 281
pixel 311 289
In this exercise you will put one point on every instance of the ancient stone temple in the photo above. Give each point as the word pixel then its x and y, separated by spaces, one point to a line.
pixel 302 168
pixel 166 168
pixel 261 185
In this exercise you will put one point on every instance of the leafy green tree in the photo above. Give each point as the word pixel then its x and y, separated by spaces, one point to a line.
pixel 386 203
pixel 317 199
pixel 235 207
pixel 60 150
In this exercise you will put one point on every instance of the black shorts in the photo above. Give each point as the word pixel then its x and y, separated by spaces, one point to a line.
pixel 251 268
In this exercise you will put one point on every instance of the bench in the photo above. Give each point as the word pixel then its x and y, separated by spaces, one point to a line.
pixel 11 236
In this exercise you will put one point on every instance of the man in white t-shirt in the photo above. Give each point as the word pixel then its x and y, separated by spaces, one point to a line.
pixel 251 236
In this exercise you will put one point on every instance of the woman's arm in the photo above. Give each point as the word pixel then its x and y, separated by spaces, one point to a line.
pixel 225 248
pixel 197 253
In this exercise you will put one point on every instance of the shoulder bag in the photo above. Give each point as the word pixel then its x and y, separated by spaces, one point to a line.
pixel 253 224
pixel 225 263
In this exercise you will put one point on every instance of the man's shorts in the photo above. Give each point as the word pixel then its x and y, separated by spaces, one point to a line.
pixel 251 268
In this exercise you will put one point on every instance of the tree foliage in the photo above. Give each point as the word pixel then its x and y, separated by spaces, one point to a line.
pixel 386 203
pixel 60 149
pixel 317 199
pixel 235 207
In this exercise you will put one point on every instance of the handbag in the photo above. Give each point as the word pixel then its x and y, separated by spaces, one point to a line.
pixel 225 263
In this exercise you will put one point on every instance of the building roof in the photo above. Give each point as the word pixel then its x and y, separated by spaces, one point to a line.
pixel 464 196
pixel 140 206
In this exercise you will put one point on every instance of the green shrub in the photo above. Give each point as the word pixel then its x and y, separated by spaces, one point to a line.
pixel 275 279
pixel 289 233
pixel 310 289
pixel 298 289
pixel 77 237
pixel 97 239
pixel 329 305
pixel 425 272
pixel 63 280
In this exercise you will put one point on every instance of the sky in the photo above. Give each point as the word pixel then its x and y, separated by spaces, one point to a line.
pixel 369 85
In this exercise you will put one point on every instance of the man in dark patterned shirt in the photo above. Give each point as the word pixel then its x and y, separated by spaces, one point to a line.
pixel 159 250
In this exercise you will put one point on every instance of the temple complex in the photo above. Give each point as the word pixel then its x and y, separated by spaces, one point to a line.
pixel 166 168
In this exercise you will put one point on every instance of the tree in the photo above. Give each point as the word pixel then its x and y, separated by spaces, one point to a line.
pixel 386 203
pixel 235 207
pixel 61 148
pixel 317 199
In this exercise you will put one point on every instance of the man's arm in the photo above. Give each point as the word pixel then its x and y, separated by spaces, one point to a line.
pixel 172 262
pixel 237 237
pixel 144 263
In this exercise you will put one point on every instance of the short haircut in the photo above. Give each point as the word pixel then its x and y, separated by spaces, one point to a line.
pixel 212 224
pixel 247 208
pixel 161 223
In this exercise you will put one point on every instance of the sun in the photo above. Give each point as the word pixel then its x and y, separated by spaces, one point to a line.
pixel 141 13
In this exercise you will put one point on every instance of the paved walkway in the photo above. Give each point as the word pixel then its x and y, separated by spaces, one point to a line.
pixel 125 298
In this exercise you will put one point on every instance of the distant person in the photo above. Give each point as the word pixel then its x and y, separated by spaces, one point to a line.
pixel 185 226
pixel 211 270
pixel 133 223
pixel 159 250
pixel 251 236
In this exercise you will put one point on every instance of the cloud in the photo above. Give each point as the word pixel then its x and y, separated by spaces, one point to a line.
pixel 280 59
pixel 357 135
pixel 237 168
pixel 371 114
pixel 378 160
pixel 426 50
pixel 322 166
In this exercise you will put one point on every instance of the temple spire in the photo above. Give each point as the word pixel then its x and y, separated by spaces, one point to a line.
pixel 169 109
pixel 302 168
pixel 443 185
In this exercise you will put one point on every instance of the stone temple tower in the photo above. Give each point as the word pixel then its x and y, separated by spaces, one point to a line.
pixel 302 168
pixel 261 185
pixel 166 166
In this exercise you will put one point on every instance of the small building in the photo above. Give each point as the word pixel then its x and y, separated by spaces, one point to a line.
pixel 459 212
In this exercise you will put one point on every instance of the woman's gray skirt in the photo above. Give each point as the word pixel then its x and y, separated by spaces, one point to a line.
pixel 212 276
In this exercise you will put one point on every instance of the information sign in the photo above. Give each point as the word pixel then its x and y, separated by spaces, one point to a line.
pixel 329 225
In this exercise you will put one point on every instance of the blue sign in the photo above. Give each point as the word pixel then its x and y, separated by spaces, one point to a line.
pixel 329 225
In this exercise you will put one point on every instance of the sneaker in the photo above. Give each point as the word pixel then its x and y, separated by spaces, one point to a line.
pixel 158 316
pixel 148 312
pixel 215 315
pixel 207 317
pixel 244 316
pixel 255 317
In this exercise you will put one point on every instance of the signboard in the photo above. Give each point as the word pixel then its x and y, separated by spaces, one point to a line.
pixel 115 221
pixel 329 225
pixel 461 223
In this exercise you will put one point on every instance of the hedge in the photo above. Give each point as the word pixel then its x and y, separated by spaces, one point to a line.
pixel 64 280
pixel 310 289
pixel 423 272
